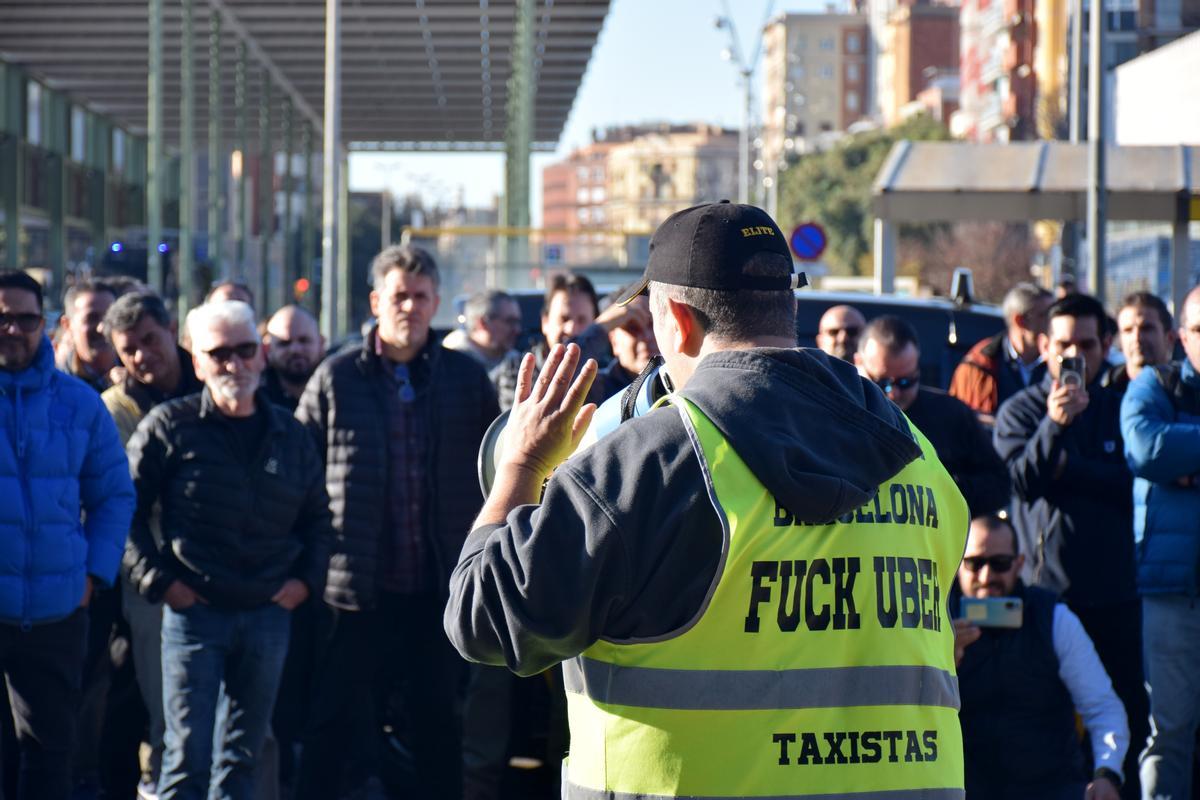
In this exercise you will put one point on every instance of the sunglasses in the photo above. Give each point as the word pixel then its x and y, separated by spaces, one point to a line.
pixel 25 323
pixel 994 563
pixel 852 331
pixel 223 355
pixel 901 384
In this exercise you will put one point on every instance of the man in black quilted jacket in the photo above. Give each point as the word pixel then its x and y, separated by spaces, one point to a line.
pixel 399 423
pixel 236 490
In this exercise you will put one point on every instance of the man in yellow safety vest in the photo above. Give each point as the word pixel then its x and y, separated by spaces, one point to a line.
pixel 747 586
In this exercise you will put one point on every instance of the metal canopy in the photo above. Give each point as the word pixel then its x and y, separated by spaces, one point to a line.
pixel 415 73
pixel 1028 181
pixel 1025 181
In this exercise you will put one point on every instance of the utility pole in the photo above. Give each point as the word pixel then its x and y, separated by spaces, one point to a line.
pixel 1097 182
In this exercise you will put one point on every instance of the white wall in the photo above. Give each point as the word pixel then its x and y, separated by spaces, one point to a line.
pixel 1156 97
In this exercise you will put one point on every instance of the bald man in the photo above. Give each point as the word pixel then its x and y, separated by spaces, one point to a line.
pixel 838 331
pixel 294 347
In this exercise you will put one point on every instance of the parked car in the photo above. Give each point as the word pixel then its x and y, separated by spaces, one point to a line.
pixel 947 329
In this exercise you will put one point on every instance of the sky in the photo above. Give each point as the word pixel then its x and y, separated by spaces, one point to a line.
pixel 655 61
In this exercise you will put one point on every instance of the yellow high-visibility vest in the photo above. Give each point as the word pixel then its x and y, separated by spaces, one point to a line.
pixel 822 664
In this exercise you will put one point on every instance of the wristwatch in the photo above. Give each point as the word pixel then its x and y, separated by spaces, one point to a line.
pixel 1109 775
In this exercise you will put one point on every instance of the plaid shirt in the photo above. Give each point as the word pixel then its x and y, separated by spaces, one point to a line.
pixel 404 567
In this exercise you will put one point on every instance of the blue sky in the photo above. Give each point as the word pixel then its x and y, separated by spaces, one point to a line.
pixel 655 60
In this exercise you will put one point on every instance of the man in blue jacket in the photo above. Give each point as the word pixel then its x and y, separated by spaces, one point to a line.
pixel 1160 421
pixel 61 463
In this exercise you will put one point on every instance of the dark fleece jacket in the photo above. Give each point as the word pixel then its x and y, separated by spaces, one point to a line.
pixel 626 542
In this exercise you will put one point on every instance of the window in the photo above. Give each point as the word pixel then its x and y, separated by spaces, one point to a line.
pixel 78 135
pixel 598 174
pixel 584 214
pixel 597 194
pixel 827 71
pixel 852 101
pixel 33 113
pixel 826 43
pixel 797 72
pixel 852 74
pixel 581 173
pixel 853 43
pixel 826 127
pixel 582 194
pixel 118 150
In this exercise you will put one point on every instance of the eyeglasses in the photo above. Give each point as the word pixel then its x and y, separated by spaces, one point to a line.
pixel 900 384
pixel 25 323
pixel 224 354
pixel 406 391
pixel 1000 563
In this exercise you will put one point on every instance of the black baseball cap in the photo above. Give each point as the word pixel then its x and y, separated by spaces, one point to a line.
pixel 710 246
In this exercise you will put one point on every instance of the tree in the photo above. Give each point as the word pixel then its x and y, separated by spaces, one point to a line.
pixel 833 188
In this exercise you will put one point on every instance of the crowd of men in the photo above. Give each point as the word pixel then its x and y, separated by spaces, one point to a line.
pixel 223 564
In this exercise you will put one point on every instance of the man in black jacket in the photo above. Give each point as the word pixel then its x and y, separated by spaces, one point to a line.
pixel 399 423
pixel 1074 510
pixel 890 355
pixel 244 539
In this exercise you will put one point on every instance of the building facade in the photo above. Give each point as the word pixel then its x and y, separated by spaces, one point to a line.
pixel 921 46
pixel 816 72
pixel 629 179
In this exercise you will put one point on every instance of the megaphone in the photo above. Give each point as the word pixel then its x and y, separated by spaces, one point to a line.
pixel 636 400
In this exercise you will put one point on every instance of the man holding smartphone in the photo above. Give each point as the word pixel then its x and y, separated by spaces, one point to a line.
pixel 1022 686
pixel 1061 440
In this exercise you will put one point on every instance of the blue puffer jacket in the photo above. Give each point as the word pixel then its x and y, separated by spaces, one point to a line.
pixel 60 461
pixel 1163 446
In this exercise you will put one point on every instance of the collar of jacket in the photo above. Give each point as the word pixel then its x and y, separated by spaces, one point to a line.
pixel 147 397
pixel 208 408
pixel 34 377
pixel 371 362
pixel 1188 373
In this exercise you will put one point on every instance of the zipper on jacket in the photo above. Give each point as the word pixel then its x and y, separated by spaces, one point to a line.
pixel 27 498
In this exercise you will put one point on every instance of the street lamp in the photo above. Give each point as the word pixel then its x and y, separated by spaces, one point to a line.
pixel 745 68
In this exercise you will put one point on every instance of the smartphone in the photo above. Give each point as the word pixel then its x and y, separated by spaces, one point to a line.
pixel 993 612
pixel 1072 371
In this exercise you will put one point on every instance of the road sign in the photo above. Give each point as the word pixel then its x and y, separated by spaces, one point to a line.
pixel 808 241
pixel 554 253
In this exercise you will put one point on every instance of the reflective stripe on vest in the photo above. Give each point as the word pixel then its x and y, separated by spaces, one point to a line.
pixel 822 664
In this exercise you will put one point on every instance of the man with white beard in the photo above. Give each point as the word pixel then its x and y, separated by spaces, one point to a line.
pixel 245 536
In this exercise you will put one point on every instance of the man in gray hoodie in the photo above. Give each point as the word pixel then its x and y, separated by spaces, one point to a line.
pixel 654 561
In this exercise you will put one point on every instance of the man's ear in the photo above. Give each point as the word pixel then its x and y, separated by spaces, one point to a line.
pixel 64 321
pixel 1043 344
pixel 858 359
pixel 688 334
pixel 374 299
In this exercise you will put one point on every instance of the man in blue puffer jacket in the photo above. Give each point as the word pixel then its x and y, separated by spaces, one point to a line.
pixel 1160 422
pixel 66 500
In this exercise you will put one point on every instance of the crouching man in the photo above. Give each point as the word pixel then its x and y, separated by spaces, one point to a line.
pixel 245 539
pixel 1022 686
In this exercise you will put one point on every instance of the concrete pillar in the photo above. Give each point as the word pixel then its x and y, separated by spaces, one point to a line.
pixel 56 143
pixel 265 206
pixel 155 159
pixel 186 258
pixel 518 140
pixel 1097 193
pixel 345 294
pixel 242 146
pixel 288 270
pixel 308 224
pixel 1181 260
pixel 885 256
pixel 11 163
pixel 216 156
pixel 331 189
